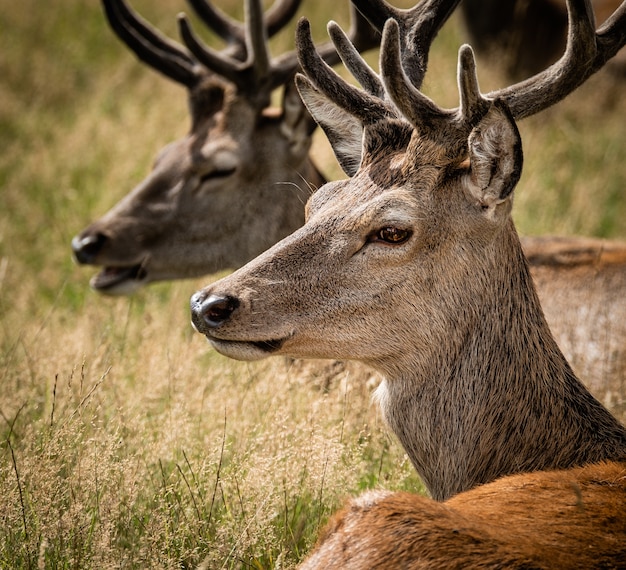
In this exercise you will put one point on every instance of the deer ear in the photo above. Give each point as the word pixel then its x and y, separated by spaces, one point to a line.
pixel 297 124
pixel 495 156
pixel 343 130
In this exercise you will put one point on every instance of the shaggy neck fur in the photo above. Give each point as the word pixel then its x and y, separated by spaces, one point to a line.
pixel 497 397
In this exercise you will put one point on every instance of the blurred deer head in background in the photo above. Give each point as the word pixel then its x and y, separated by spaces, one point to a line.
pixel 237 183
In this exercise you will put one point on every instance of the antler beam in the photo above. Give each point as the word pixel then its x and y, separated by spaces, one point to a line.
pixel 586 52
pixel 259 74
pixel 150 45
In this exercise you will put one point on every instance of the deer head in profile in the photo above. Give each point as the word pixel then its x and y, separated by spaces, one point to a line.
pixel 236 184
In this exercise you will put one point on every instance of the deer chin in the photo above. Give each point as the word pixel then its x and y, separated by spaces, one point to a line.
pixel 113 280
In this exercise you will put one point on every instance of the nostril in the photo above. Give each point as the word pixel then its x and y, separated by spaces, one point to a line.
pixel 215 310
pixel 87 248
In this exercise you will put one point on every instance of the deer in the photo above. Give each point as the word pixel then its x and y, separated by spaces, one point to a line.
pixel 413 266
pixel 238 181
pixel 196 213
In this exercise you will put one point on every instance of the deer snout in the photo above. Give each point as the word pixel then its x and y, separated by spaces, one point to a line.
pixel 87 247
pixel 210 311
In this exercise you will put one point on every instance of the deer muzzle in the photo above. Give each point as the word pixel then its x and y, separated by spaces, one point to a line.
pixel 211 314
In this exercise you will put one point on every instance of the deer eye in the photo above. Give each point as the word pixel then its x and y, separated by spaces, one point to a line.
pixel 391 235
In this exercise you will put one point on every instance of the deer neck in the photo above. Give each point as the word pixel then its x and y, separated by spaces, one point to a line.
pixel 497 396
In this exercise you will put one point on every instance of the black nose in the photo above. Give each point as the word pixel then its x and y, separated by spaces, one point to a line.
pixel 86 248
pixel 210 312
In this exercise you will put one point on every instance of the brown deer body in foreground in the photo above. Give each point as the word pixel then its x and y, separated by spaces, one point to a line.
pixel 414 267
pixel 237 183
pixel 543 520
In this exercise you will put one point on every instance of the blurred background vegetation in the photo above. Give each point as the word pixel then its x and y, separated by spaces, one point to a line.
pixel 124 440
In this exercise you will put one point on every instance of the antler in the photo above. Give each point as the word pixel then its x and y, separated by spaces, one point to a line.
pixel 258 75
pixel 150 45
pixel 276 18
pixel 367 106
pixel 586 52
pixel 173 59
pixel 428 118
pixel 418 27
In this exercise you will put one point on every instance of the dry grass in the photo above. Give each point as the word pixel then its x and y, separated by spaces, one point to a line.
pixel 124 440
pixel 127 443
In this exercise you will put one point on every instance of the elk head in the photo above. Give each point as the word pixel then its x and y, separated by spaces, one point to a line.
pixel 237 182
pixel 426 183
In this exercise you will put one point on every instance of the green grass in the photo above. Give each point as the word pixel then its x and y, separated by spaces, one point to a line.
pixel 124 440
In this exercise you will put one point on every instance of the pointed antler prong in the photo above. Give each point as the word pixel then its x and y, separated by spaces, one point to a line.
pixel 280 13
pixel 473 105
pixel 365 107
pixel 256 39
pixel 212 59
pixel 224 26
pixel 418 109
pixel 353 61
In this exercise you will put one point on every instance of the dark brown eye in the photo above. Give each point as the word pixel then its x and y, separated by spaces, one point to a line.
pixel 394 236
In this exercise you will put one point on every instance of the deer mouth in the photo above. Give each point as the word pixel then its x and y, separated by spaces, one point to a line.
pixel 112 280
pixel 246 350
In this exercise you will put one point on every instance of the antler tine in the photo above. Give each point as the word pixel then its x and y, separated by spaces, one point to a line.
pixel 280 14
pixel 418 28
pixel 150 45
pixel 418 109
pixel 426 116
pixel 256 39
pixel 215 61
pixel 361 34
pixel 473 105
pixel 355 64
pixel 586 52
pixel 255 76
pixel 367 108
pixel 611 36
pixel 224 26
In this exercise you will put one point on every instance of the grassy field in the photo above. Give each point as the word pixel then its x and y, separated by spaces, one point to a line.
pixel 125 441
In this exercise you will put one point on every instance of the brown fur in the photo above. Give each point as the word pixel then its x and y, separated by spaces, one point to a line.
pixel 549 519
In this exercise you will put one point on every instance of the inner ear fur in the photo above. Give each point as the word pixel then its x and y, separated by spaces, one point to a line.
pixel 343 130
pixel 495 156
